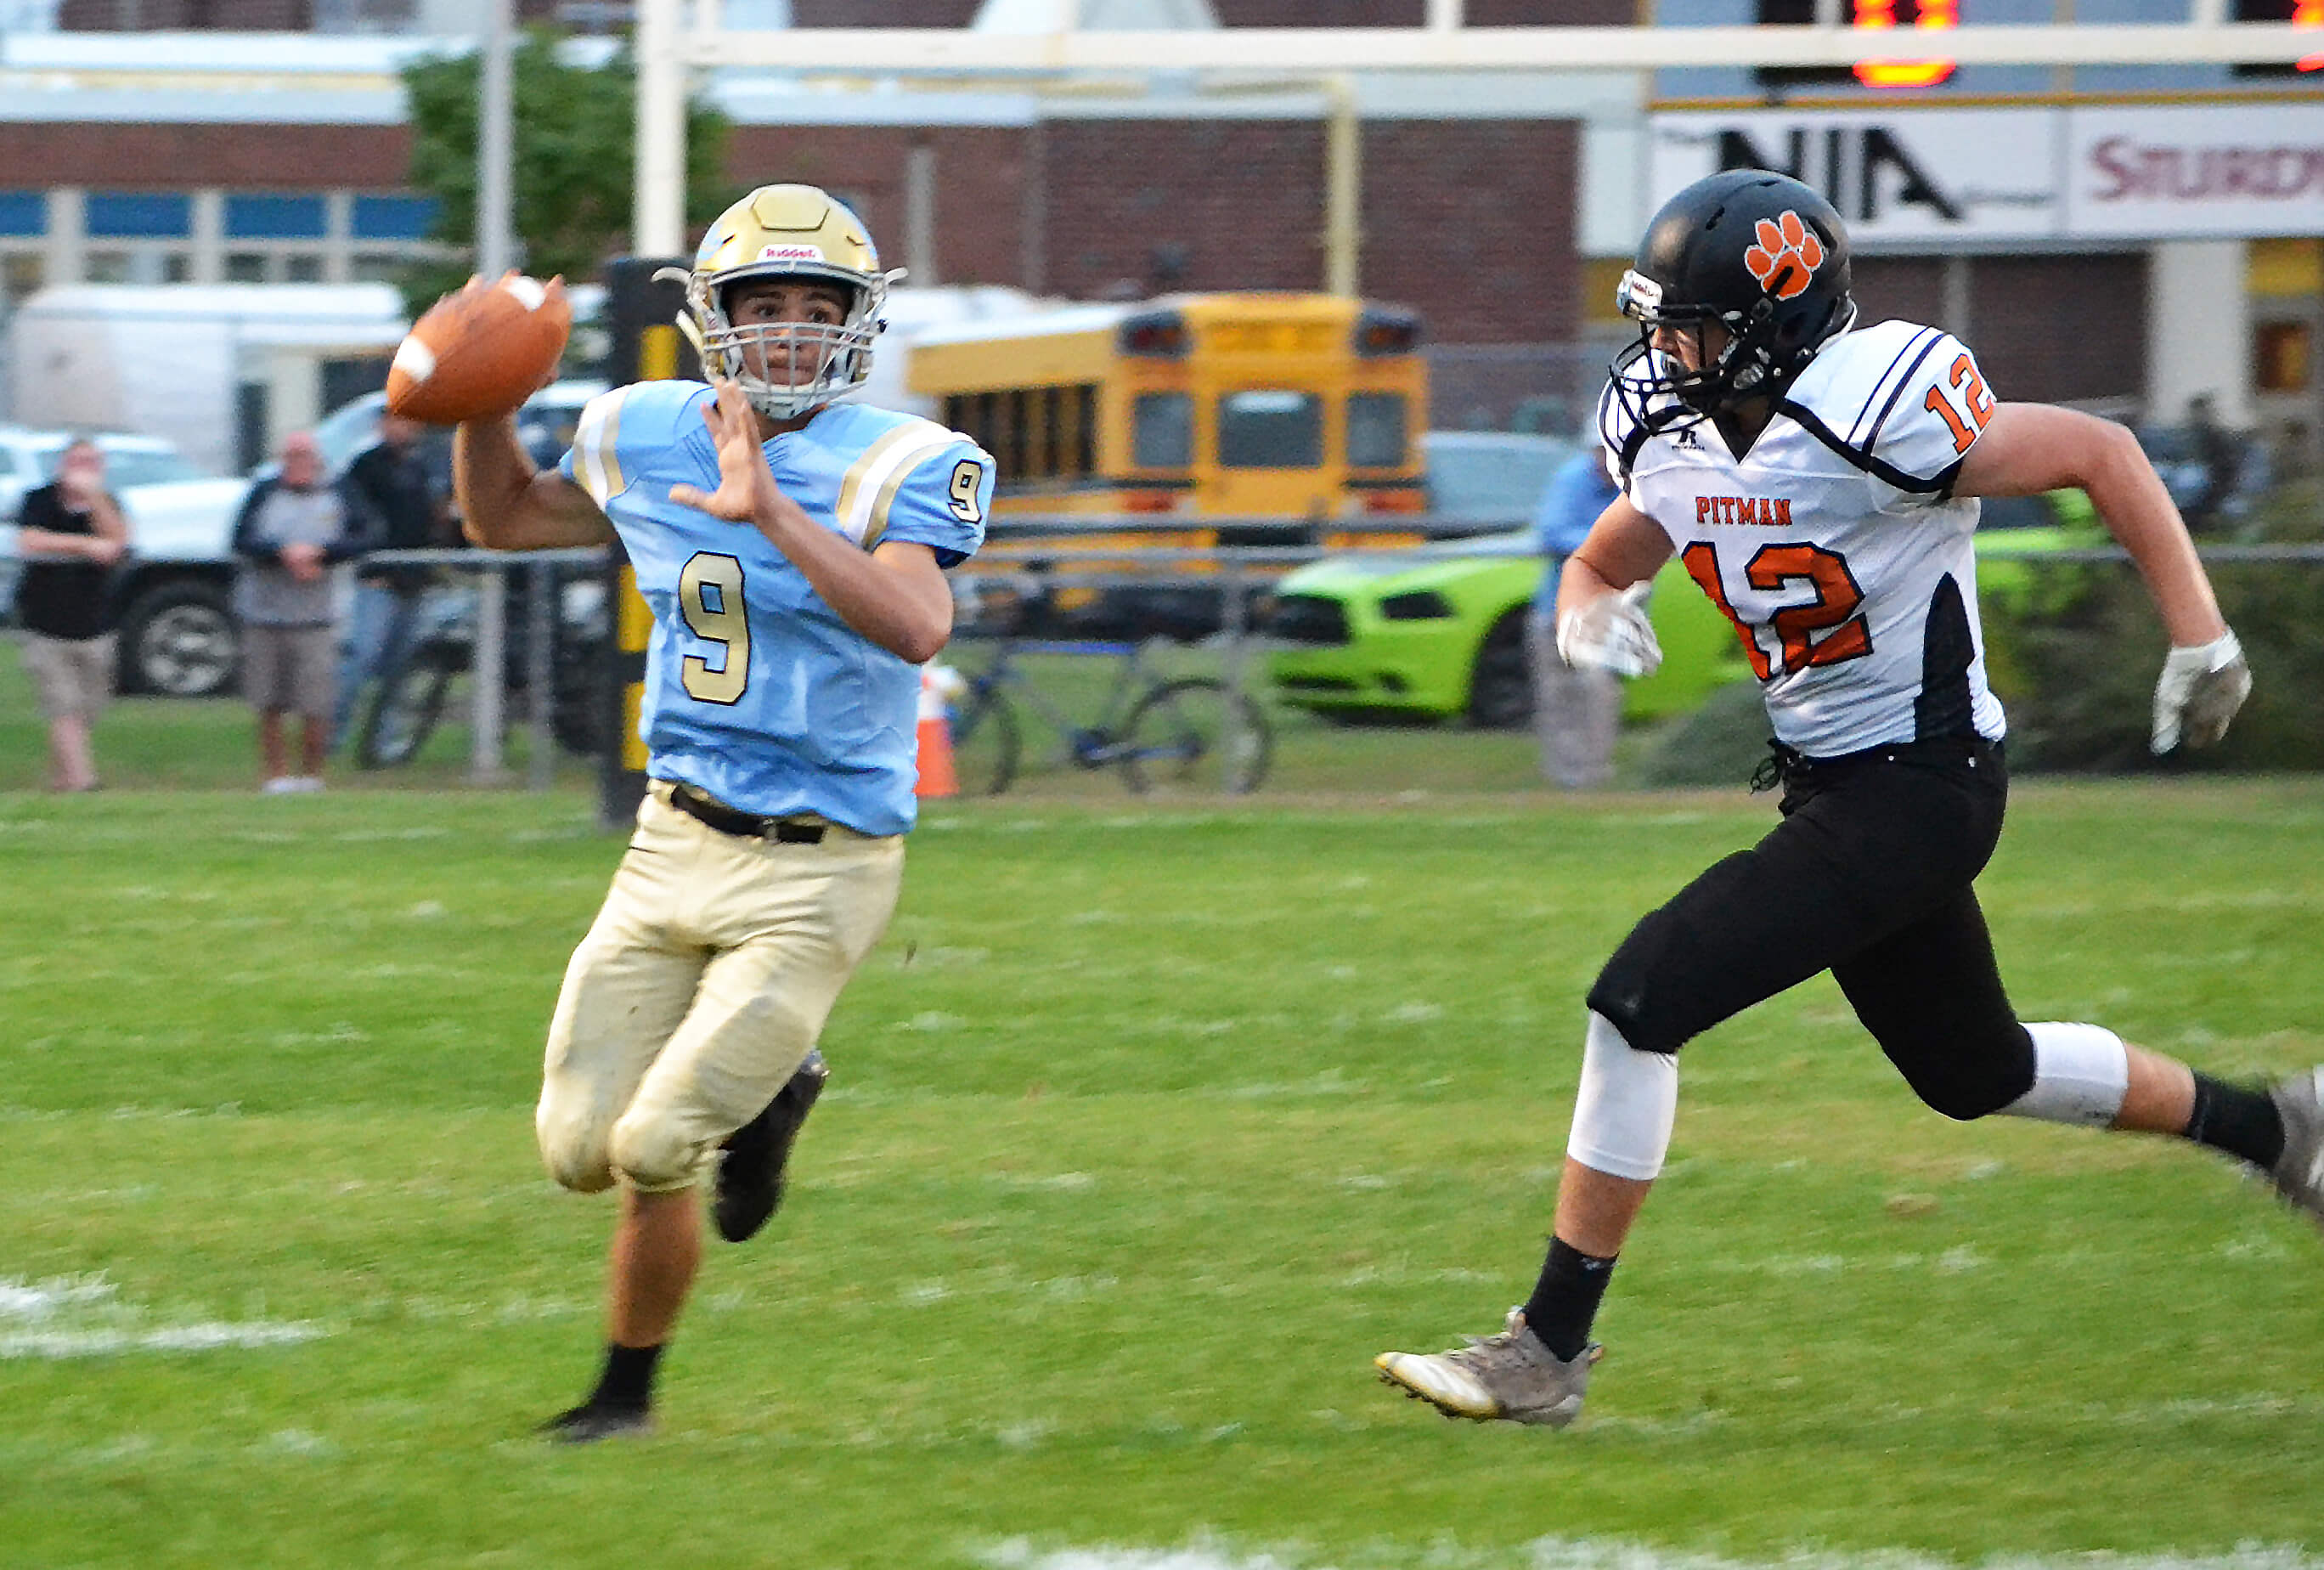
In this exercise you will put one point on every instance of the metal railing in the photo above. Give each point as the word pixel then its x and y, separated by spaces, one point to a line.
pixel 489 659
pixel 1237 573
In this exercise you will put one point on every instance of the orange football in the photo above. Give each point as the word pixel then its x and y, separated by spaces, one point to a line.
pixel 480 352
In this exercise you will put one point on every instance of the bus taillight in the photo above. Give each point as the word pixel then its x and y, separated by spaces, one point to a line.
pixel 1382 331
pixel 1154 335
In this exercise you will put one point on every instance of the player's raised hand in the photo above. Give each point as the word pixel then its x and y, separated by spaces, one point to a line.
pixel 746 491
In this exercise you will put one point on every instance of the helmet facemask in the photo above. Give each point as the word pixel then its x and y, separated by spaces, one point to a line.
pixel 786 369
pixel 1756 361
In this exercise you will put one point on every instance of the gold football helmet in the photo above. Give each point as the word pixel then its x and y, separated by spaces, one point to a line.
pixel 786 231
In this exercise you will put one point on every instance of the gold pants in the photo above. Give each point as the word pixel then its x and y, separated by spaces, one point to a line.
pixel 699 990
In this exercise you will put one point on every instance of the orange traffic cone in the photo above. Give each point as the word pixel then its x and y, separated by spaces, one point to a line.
pixel 937 777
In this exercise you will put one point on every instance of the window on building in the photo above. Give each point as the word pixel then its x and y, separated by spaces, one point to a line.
pixel 137 264
pixel 138 215
pixel 245 267
pixel 24 213
pixel 2281 356
pixel 302 267
pixel 392 217
pixel 21 275
pixel 259 217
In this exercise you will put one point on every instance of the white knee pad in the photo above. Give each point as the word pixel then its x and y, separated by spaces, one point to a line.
pixel 2080 1075
pixel 1627 1105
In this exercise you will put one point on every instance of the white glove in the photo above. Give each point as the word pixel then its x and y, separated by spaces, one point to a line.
pixel 1611 632
pixel 2199 693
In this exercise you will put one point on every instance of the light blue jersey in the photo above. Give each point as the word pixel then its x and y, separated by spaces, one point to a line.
pixel 756 692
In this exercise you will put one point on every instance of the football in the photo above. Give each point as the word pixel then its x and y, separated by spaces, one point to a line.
pixel 480 352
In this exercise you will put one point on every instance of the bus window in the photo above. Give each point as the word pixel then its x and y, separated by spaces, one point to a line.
pixel 1270 429
pixel 1376 430
pixel 1016 430
pixel 1085 429
pixel 1162 431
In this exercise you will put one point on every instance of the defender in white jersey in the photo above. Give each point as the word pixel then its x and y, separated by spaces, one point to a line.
pixel 1818 480
pixel 791 549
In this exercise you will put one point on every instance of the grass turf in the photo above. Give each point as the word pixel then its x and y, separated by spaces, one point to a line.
pixel 1146 1130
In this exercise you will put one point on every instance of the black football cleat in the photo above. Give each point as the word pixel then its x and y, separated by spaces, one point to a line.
pixel 588 1423
pixel 751 1173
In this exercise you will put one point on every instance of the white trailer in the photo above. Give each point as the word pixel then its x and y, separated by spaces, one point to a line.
pixel 218 368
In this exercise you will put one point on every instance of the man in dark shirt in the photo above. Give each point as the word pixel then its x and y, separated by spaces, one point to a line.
pixel 393 483
pixel 70 533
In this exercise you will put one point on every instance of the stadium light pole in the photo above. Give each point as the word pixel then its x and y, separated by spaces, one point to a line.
pixel 658 204
pixel 495 252
pixel 1343 187
pixel 494 248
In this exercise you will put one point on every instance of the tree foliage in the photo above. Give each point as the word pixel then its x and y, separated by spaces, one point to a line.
pixel 572 159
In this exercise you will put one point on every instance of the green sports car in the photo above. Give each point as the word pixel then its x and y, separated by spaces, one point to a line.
pixel 1439 632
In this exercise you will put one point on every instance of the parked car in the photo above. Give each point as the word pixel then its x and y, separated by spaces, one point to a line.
pixel 176 636
pixel 1491 477
pixel 177 633
pixel 1439 633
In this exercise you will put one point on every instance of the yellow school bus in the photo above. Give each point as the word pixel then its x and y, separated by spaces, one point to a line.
pixel 1253 417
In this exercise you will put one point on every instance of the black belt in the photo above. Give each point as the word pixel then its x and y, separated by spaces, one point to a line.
pixel 1787 765
pixel 747 825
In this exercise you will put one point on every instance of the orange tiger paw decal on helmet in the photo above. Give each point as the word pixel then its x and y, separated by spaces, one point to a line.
pixel 1787 256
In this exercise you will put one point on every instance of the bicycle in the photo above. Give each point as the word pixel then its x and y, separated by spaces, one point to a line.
pixel 1188 731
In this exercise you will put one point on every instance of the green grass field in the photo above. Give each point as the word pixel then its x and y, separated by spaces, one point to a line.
pixel 1147 1130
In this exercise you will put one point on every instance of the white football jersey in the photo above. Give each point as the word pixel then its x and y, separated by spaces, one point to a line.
pixel 1835 544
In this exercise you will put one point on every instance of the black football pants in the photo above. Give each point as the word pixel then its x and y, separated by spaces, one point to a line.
pixel 1867 876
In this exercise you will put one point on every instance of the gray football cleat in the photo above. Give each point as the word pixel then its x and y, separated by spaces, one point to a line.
pixel 1511 1376
pixel 2299 1174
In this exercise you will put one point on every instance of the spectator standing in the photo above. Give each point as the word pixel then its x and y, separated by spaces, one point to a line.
pixel 71 532
pixel 1575 712
pixel 294 528
pixel 403 509
pixel 2220 455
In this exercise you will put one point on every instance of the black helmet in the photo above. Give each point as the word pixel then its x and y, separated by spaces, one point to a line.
pixel 1756 251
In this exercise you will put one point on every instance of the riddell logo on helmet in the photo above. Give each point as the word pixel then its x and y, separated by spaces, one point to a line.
pixel 792 253
pixel 1787 256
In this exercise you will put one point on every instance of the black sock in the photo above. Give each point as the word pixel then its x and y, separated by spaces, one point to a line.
pixel 1565 1299
pixel 627 1382
pixel 2236 1119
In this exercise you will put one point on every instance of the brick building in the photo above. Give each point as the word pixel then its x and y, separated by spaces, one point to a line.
pixel 1501 206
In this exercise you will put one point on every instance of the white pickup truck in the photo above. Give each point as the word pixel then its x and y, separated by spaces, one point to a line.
pixel 177 635
pixel 178 632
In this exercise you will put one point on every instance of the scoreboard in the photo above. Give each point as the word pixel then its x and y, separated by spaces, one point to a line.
pixel 1921 62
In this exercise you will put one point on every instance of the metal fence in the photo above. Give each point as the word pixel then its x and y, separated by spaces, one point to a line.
pixel 1237 579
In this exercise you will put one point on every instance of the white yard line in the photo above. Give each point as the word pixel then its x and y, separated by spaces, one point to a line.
pixel 1589 1554
pixel 69 1317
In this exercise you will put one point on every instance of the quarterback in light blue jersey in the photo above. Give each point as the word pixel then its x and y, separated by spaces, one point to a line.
pixel 758 692
pixel 792 550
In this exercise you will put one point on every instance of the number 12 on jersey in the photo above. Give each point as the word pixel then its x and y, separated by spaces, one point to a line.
pixel 1971 386
pixel 1774 569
